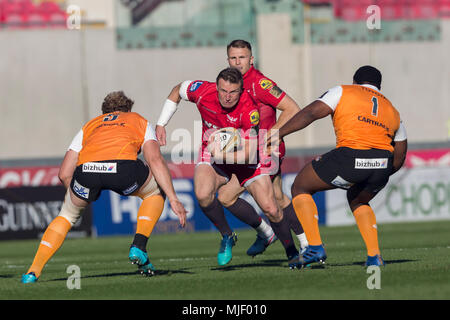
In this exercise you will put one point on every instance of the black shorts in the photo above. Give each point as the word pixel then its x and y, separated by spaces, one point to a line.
pixel 344 167
pixel 121 176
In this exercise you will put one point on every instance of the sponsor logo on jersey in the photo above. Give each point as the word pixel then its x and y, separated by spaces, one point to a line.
pixel 276 92
pixel 80 190
pixel 111 117
pixel 195 85
pixel 379 163
pixel 254 117
pixel 265 84
pixel 372 122
pixel 323 95
pixel 100 167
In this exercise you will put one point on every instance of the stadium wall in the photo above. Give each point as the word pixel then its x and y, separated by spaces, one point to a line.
pixel 52 81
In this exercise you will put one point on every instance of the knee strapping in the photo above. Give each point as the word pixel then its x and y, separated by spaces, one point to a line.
pixel 149 190
pixel 69 211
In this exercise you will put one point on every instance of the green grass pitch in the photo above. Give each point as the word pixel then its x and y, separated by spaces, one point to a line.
pixel 417 259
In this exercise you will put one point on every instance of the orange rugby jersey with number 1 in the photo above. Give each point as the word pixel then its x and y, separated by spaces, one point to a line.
pixel 113 136
pixel 365 119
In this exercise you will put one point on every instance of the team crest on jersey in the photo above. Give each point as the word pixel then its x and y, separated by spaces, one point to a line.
pixel 195 85
pixel 254 117
pixel 265 84
pixel 231 119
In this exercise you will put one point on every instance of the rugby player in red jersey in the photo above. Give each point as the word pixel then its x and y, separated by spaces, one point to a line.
pixel 226 104
pixel 269 98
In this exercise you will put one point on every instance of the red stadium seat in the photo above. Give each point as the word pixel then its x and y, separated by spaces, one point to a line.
pixel 37 20
pixel 353 13
pixel 15 21
pixel 354 10
pixel 391 11
pixel 444 9
pixel 57 20
pixel 49 7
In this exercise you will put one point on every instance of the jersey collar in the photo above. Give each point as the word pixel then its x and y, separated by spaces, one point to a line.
pixel 249 72
pixel 370 86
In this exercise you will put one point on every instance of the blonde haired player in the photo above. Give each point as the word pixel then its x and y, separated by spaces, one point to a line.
pixel 103 156
pixel 269 98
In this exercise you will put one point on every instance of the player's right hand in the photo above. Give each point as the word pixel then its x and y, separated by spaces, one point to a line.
pixel 272 143
pixel 180 211
pixel 161 135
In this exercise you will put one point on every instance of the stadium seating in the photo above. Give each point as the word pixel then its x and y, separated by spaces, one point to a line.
pixel 354 10
pixel 25 14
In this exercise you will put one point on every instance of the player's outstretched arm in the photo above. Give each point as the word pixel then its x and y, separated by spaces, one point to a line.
pixel 288 108
pixel 68 167
pixel 168 110
pixel 160 171
pixel 312 112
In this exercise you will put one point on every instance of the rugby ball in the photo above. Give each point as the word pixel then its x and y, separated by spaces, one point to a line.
pixel 227 139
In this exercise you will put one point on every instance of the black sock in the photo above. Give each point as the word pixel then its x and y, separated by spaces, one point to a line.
pixel 245 212
pixel 140 241
pixel 214 212
pixel 283 232
pixel 294 223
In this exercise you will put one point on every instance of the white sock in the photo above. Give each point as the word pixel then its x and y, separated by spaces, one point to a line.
pixel 303 241
pixel 264 229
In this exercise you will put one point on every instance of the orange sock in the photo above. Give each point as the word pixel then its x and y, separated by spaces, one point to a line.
pixel 149 213
pixel 51 241
pixel 306 211
pixel 367 224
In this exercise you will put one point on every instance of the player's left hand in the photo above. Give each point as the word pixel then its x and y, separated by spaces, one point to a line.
pixel 161 135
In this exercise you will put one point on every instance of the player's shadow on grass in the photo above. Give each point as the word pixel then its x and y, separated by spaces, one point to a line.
pixel 282 263
pixel 260 263
pixel 121 274
pixel 362 263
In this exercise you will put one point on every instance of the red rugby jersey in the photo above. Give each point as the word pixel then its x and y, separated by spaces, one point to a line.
pixel 245 115
pixel 267 95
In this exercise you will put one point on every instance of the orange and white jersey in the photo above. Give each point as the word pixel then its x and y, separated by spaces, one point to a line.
pixel 112 136
pixel 363 118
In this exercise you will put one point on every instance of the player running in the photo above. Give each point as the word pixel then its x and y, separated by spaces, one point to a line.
pixel 269 98
pixel 103 156
pixel 226 104
pixel 371 145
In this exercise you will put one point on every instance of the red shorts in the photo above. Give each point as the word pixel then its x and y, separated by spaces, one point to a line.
pixel 245 173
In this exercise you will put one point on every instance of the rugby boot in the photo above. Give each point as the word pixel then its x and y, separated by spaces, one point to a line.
pixel 225 255
pixel 295 261
pixel 29 278
pixel 375 260
pixel 140 258
pixel 314 254
pixel 260 244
